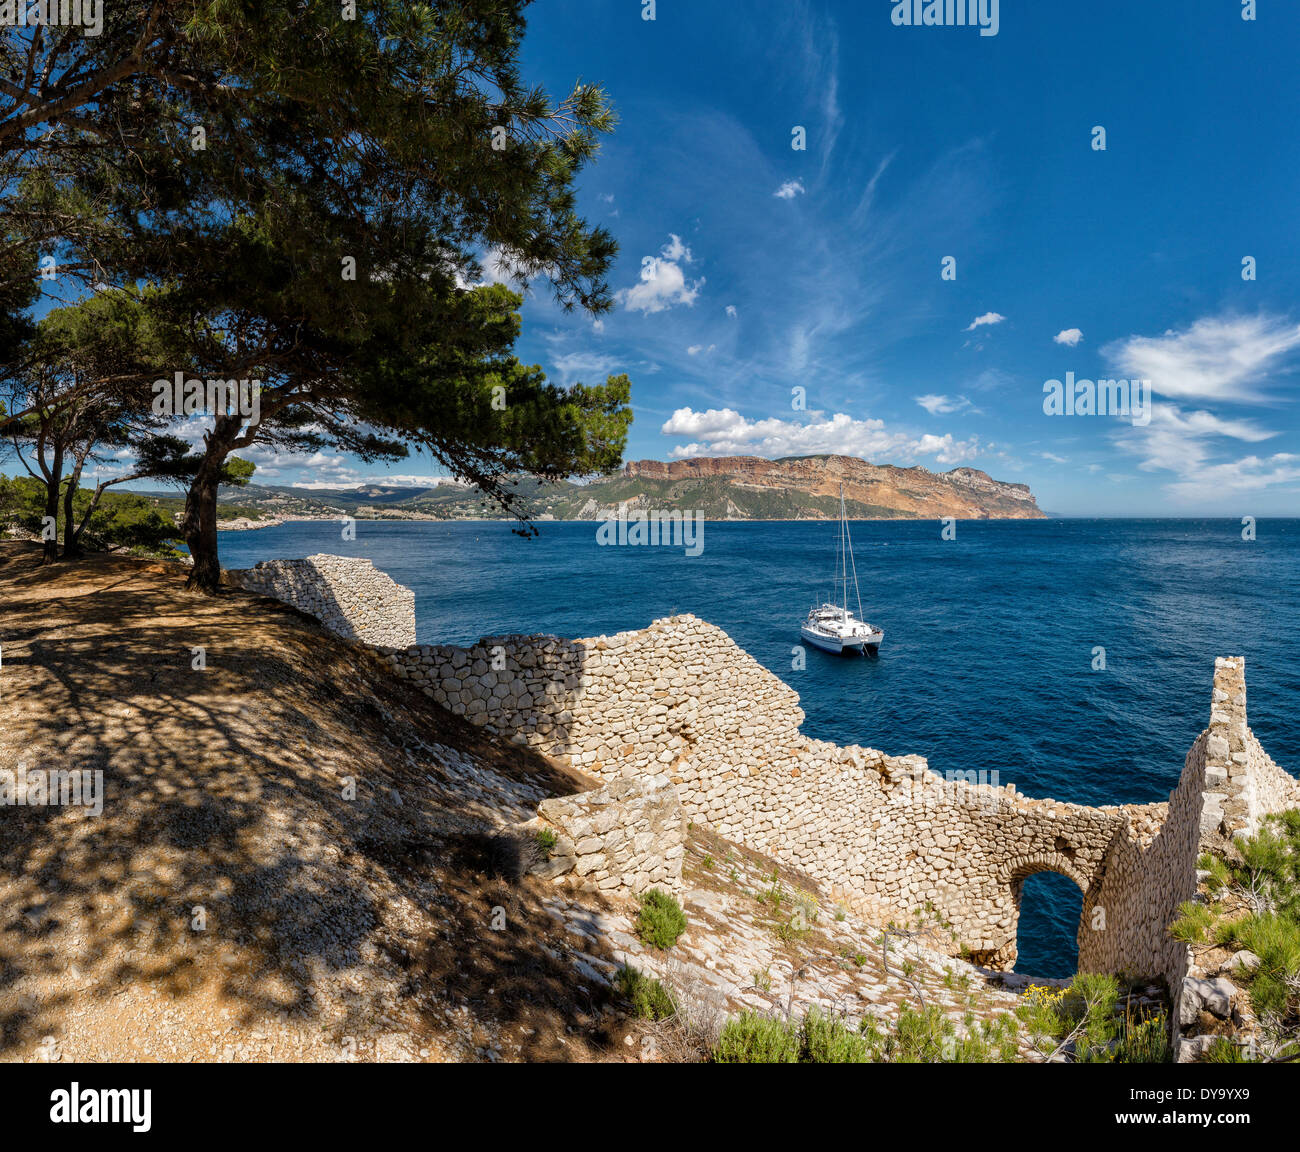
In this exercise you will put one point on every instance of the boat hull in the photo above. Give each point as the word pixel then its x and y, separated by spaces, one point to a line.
pixel 842 645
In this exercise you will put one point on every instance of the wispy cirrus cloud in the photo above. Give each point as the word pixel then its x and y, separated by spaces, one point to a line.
pixel 1236 479
pixel 1221 360
pixel 1216 358
pixel 584 365
pixel 942 405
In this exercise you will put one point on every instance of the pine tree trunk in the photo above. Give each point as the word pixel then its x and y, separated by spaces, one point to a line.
pixel 71 537
pixel 50 549
pixel 200 522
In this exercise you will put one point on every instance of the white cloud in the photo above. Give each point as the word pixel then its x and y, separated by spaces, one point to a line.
pixel 1068 336
pixel 987 318
pixel 789 190
pixel 731 311
pixel 696 349
pixel 1184 444
pixel 942 405
pixel 724 432
pixel 676 250
pixel 1054 458
pixel 663 282
pixel 1217 358
pixel 1224 359
pixel 393 480
pixel 591 366
pixel 1237 478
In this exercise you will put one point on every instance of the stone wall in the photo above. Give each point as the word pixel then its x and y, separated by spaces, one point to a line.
pixel 679 702
pixel 626 837
pixel 1242 784
pixel 349 595
pixel 680 698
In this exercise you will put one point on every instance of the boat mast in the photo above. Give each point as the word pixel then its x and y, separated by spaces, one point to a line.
pixel 844 529
pixel 848 542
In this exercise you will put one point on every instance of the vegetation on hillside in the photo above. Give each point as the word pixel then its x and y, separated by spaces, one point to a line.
pixel 141 525
pixel 1253 904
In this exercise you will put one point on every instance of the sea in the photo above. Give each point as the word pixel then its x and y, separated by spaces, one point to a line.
pixel 1072 657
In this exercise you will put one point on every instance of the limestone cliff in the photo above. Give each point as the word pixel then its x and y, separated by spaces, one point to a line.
pixel 807 488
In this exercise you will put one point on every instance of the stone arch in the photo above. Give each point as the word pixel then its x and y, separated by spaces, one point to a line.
pixel 1014 872
pixel 1010 878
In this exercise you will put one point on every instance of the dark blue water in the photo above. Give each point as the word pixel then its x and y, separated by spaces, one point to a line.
pixel 989 643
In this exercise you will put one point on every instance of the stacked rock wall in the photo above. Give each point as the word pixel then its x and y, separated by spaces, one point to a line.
pixel 680 700
pixel 628 836
pixel 1242 784
pixel 349 595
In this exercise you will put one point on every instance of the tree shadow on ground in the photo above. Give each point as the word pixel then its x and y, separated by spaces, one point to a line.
pixel 274 825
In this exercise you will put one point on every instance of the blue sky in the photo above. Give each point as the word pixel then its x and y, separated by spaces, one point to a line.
pixel 773 268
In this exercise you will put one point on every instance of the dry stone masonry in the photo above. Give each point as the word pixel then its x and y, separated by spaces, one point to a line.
pixel 349 595
pixel 679 706
pixel 627 837
pixel 891 835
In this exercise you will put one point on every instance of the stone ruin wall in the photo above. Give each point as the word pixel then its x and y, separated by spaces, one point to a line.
pixel 349 595
pixel 680 700
pixel 886 832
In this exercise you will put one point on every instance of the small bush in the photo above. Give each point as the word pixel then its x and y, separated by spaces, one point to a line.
pixel 1224 1051
pixel 1194 923
pixel 661 919
pixel 752 1038
pixel 828 1040
pixel 1276 940
pixel 650 999
pixel 546 841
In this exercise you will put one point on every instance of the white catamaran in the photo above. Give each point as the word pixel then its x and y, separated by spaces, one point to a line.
pixel 832 627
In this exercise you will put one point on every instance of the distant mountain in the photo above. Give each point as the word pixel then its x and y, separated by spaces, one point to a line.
pixel 722 488
pixel 807 488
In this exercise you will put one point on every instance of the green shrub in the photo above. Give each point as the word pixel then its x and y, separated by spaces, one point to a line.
pixel 1275 940
pixel 1088 1010
pixel 1268 877
pixel 546 841
pixel 661 919
pixel 753 1038
pixel 650 999
pixel 828 1040
pixel 927 1036
pixel 1224 1051
pixel 1194 923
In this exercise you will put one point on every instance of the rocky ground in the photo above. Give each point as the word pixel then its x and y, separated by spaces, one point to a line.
pixel 302 858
